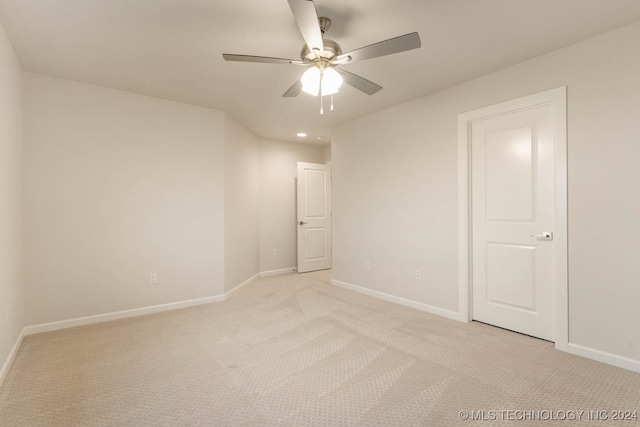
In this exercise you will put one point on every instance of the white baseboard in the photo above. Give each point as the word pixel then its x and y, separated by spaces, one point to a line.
pixel 228 294
pixel 11 357
pixel 578 350
pixel 402 301
pixel 88 320
pixel 575 349
pixel 277 272
pixel 604 357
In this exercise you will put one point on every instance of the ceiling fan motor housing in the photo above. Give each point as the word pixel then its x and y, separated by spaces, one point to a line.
pixel 331 48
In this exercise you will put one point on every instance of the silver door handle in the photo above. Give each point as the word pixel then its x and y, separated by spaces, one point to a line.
pixel 302 222
pixel 546 235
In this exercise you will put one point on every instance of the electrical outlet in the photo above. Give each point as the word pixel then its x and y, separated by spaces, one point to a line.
pixel 275 252
pixel 367 265
pixel 418 274
pixel 153 278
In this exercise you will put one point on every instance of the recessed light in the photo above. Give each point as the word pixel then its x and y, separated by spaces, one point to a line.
pixel 301 134
pixel 319 138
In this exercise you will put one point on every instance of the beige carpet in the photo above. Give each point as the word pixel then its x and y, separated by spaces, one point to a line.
pixel 294 350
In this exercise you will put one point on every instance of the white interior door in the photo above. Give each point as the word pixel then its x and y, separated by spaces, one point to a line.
pixel 314 217
pixel 512 187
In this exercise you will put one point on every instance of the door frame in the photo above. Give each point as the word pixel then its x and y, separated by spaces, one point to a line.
pixel 558 99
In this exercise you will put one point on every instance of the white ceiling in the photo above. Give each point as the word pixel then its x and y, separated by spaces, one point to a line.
pixel 173 49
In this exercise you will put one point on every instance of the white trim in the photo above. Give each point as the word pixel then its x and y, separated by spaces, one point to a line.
pixel 604 357
pixel 561 219
pixel 558 99
pixel 464 255
pixel 10 358
pixel 277 272
pixel 398 300
pixel 105 317
pixel 88 320
pixel 228 294
pixel 601 356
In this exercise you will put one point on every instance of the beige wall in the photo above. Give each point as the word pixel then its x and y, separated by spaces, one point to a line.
pixel 241 189
pixel 326 153
pixel 120 185
pixel 395 188
pixel 11 278
pixel 278 171
pixel 117 186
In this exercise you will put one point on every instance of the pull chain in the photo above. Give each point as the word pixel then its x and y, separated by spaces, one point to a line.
pixel 322 96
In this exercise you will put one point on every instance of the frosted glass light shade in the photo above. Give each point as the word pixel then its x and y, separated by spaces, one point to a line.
pixel 325 82
pixel 331 81
pixel 311 81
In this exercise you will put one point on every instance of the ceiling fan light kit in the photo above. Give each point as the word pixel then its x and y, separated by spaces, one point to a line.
pixel 323 56
pixel 324 82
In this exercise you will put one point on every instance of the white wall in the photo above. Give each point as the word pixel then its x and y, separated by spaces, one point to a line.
pixel 11 277
pixel 117 186
pixel 326 153
pixel 395 184
pixel 278 172
pixel 241 188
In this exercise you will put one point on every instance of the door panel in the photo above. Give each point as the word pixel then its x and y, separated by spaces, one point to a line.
pixel 314 217
pixel 315 193
pixel 510 174
pixel 511 278
pixel 512 180
pixel 315 239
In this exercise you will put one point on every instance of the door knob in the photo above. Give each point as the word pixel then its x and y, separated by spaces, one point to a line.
pixel 302 222
pixel 546 235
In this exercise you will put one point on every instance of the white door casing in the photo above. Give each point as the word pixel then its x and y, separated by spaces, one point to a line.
pixel 314 217
pixel 512 163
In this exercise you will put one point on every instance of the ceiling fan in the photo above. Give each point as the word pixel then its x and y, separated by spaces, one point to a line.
pixel 322 56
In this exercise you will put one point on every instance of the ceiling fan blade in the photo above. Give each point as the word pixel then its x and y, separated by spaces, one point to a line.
pixel 386 47
pixel 304 11
pixel 359 83
pixel 293 90
pixel 261 59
